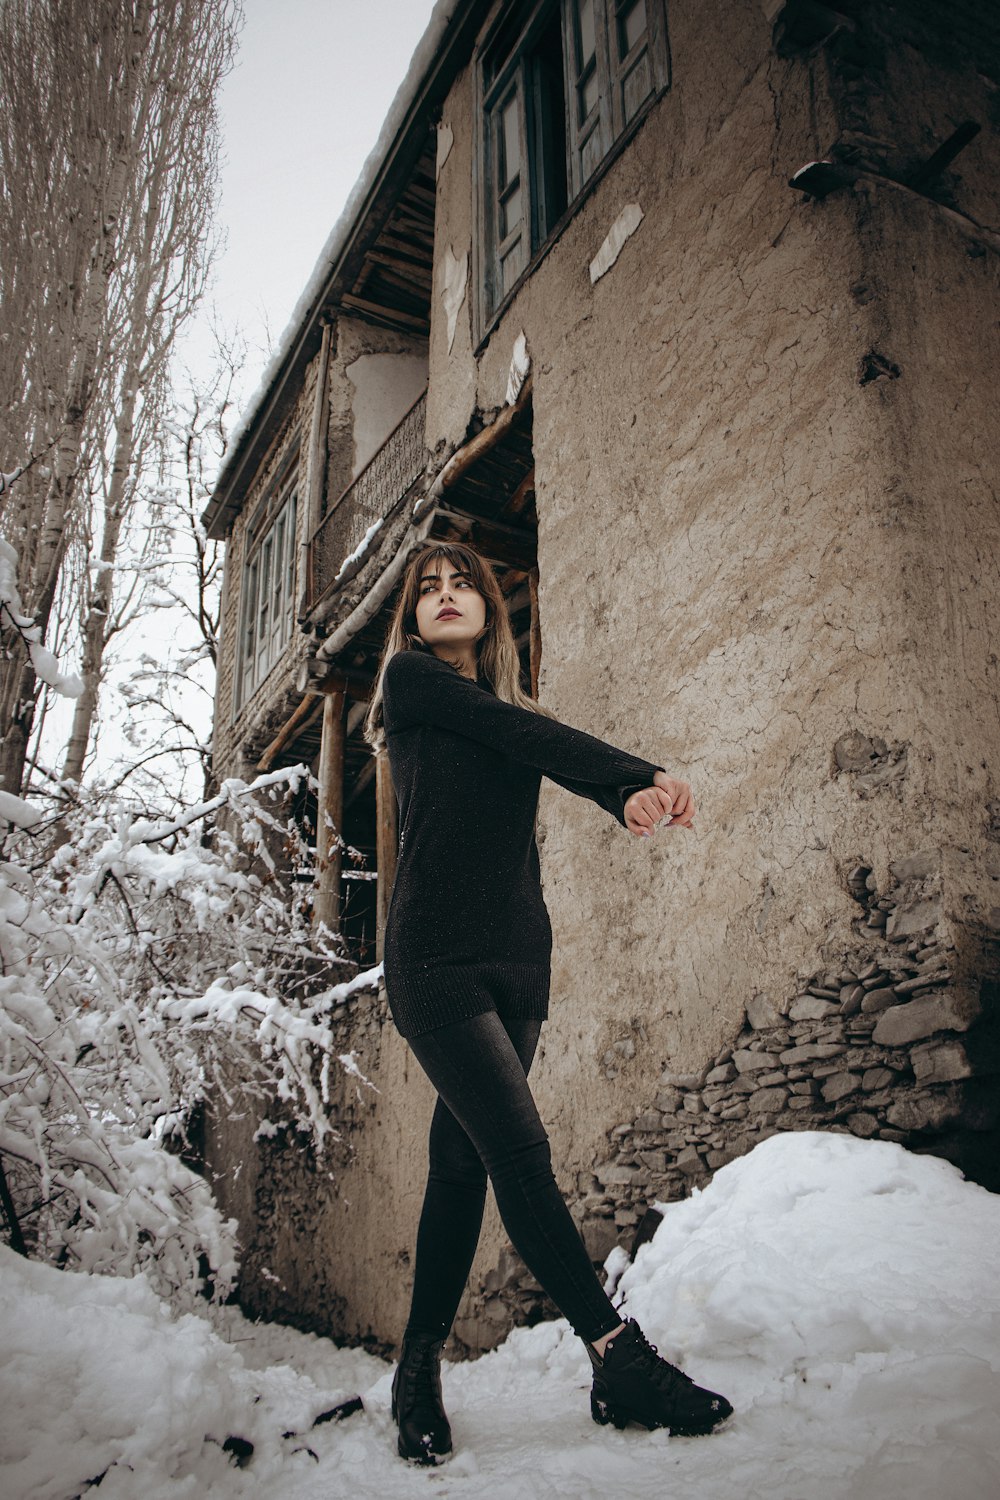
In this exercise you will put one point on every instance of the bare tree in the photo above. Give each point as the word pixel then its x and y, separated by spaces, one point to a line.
pixel 108 165
pixel 172 697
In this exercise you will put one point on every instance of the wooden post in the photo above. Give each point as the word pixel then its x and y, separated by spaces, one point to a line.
pixel 330 810
pixel 386 845
pixel 535 640
pixel 315 475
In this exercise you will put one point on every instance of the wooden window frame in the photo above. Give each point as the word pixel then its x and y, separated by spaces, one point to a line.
pixel 507 60
pixel 267 615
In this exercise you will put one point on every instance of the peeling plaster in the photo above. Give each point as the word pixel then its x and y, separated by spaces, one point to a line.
pixel 623 228
pixel 520 364
pixel 445 141
pixel 456 280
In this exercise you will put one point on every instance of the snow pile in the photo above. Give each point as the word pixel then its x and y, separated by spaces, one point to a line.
pixel 99 1380
pixel 841 1292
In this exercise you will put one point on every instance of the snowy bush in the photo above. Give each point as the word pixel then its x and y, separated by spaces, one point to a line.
pixel 139 955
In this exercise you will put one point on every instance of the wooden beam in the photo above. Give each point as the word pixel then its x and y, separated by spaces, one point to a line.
pixel 398 261
pixel 377 310
pixel 386 845
pixel 329 814
pixel 393 281
pixel 309 709
pixel 315 475
pixel 501 544
pixel 524 492
pixel 315 676
pixel 464 458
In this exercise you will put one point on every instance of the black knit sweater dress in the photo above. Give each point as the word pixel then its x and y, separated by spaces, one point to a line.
pixel 467 929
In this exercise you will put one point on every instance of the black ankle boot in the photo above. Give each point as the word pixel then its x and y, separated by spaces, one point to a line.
pixel 633 1384
pixel 417 1408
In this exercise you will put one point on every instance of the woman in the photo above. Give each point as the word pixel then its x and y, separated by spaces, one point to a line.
pixel 467 950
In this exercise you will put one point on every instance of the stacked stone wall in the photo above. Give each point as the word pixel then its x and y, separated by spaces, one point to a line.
pixel 892 1042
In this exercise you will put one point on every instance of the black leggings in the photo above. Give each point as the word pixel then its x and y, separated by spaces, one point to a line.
pixel 485 1122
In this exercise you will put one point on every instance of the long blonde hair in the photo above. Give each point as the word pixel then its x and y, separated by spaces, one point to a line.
pixel 496 650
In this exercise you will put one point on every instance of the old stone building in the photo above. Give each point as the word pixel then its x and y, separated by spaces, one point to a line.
pixel 687 316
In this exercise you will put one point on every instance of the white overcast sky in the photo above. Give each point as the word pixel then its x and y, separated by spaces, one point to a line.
pixel 300 112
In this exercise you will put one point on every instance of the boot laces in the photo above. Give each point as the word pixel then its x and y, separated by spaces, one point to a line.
pixel 659 1370
pixel 421 1375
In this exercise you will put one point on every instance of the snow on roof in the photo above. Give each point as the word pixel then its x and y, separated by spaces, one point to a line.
pixel 426 50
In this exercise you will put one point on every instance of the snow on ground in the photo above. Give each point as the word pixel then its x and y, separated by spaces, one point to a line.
pixel 843 1294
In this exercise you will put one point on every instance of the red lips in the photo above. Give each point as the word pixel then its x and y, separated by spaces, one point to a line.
pixel 444 614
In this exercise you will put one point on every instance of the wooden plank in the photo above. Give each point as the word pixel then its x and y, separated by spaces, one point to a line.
pixel 329 811
pixel 501 544
pixel 420 246
pixel 315 476
pixel 361 779
pixel 521 496
pixel 385 314
pixel 398 260
pixel 381 279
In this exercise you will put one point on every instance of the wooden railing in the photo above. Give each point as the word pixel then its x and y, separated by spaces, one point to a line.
pixel 337 547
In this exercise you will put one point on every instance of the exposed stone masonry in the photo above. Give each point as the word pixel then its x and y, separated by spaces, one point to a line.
pixel 878 1045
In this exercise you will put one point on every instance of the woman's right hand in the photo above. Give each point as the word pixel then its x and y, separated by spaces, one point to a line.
pixel 667 798
pixel 682 807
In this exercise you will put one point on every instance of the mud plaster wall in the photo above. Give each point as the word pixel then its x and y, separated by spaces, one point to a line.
pixel 775 578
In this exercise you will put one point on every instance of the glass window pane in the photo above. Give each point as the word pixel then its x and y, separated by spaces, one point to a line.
pixel 510 141
pixel 265 571
pixel 587 38
pixel 591 155
pixel 638 86
pixel 279 558
pixel 631 26
pixel 249 626
pixel 510 212
pixel 511 266
pixel 589 95
pixel 290 565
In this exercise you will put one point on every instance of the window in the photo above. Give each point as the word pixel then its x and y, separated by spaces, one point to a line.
pixel 268 593
pixel 563 82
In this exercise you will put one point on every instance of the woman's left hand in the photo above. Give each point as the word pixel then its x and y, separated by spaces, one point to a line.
pixel 667 798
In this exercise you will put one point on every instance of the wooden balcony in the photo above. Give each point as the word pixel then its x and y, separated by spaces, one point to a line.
pixel 340 543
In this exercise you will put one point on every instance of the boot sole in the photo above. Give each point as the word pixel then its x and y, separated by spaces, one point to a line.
pixel 620 1416
pixel 424 1457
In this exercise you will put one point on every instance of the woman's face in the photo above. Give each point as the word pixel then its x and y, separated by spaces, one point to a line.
pixel 450 609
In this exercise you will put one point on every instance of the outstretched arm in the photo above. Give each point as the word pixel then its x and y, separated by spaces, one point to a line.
pixel 420 688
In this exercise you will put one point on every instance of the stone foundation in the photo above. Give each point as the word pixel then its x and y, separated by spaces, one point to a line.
pixel 893 1043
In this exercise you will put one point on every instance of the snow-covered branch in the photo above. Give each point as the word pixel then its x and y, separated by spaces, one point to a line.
pixel 139 968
